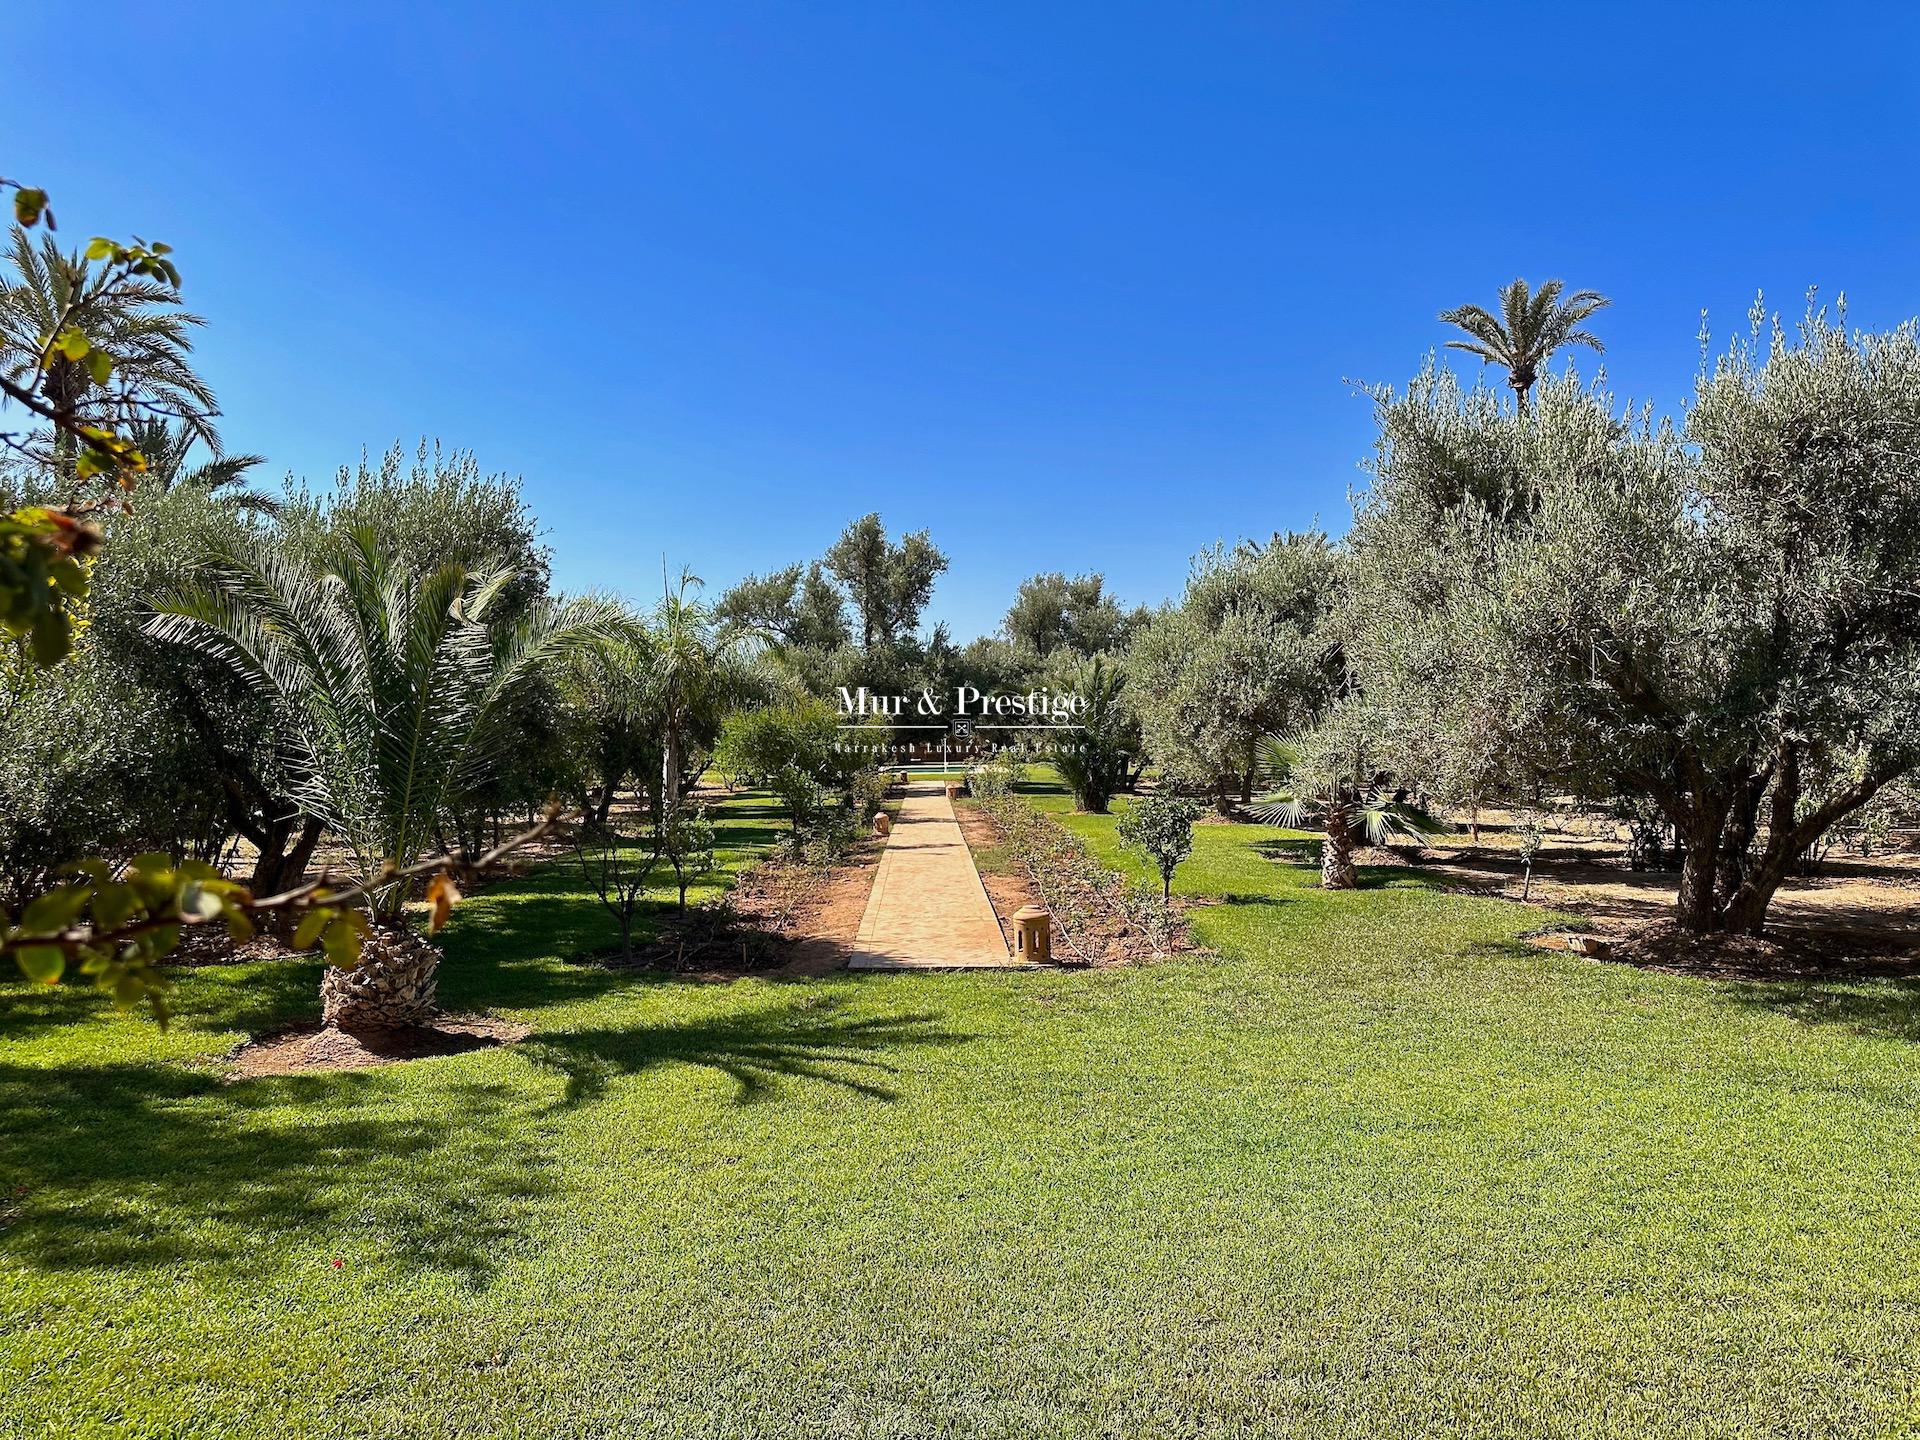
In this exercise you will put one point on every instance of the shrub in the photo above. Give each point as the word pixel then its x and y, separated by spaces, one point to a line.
pixel 1161 825
pixel 869 790
pixel 793 748
pixel 991 782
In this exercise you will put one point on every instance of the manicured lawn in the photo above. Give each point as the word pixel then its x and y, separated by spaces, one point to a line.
pixel 1375 1169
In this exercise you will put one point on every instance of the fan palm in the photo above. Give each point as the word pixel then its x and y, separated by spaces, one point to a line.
pixel 1531 326
pixel 391 683
pixel 1346 803
pixel 137 321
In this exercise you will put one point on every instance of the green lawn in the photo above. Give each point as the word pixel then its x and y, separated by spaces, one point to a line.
pixel 1374 1169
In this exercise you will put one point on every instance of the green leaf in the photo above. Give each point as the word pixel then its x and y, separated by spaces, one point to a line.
pixel 42 963
pixel 55 910
pixel 52 637
pixel 307 934
pixel 99 248
pixel 100 366
pixel 113 905
pixel 342 940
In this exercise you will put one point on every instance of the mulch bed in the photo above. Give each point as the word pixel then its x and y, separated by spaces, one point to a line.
pixel 1785 954
pixel 1008 888
pixel 299 1049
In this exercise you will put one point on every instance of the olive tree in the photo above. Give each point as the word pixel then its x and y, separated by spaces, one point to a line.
pixel 1247 652
pixel 1718 616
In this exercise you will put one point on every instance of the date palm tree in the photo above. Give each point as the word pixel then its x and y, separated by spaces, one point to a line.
pixel 391 683
pixel 138 322
pixel 1531 326
pixel 168 450
pixel 697 667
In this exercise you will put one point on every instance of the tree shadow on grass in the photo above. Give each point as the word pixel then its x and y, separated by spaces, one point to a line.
pixel 1887 1009
pixel 755 1048
pixel 129 1165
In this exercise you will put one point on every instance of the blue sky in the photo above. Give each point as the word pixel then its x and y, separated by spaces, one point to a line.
pixel 1075 286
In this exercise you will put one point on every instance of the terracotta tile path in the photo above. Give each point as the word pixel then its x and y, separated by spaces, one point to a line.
pixel 928 910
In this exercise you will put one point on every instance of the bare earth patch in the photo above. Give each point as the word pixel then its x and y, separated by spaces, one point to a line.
pixel 824 926
pixel 1858 916
pixel 305 1048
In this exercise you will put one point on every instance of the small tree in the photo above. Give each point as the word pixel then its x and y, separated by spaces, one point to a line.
pixel 1531 837
pixel 1247 652
pixel 687 842
pixel 1161 825
pixel 1327 778
pixel 617 867
pixel 795 748
pixel 389 682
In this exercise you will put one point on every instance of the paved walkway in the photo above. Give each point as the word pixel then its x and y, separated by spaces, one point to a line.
pixel 928 910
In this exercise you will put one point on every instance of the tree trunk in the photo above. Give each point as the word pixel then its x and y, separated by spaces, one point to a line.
pixel 1336 851
pixel 1699 913
pixel 279 869
pixel 670 772
pixel 1736 841
pixel 393 985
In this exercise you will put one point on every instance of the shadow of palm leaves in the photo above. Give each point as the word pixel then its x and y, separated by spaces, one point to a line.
pixel 755 1048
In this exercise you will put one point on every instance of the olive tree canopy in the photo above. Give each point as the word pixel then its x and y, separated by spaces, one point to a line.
pixel 1722 617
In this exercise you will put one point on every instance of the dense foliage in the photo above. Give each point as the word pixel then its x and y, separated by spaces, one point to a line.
pixel 1248 651
pixel 1719 617
pixel 1160 826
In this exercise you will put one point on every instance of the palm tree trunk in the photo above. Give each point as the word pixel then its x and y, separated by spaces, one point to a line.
pixel 1336 850
pixel 670 773
pixel 393 985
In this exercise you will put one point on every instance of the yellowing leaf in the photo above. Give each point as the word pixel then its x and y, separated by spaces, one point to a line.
pixel 442 896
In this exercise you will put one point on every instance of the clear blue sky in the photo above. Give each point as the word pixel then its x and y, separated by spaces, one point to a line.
pixel 1077 286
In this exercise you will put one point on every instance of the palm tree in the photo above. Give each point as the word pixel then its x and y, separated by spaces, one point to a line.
pixel 391 683
pixel 1312 785
pixel 1531 326
pixel 167 448
pixel 138 322
pixel 696 677
pixel 1092 756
